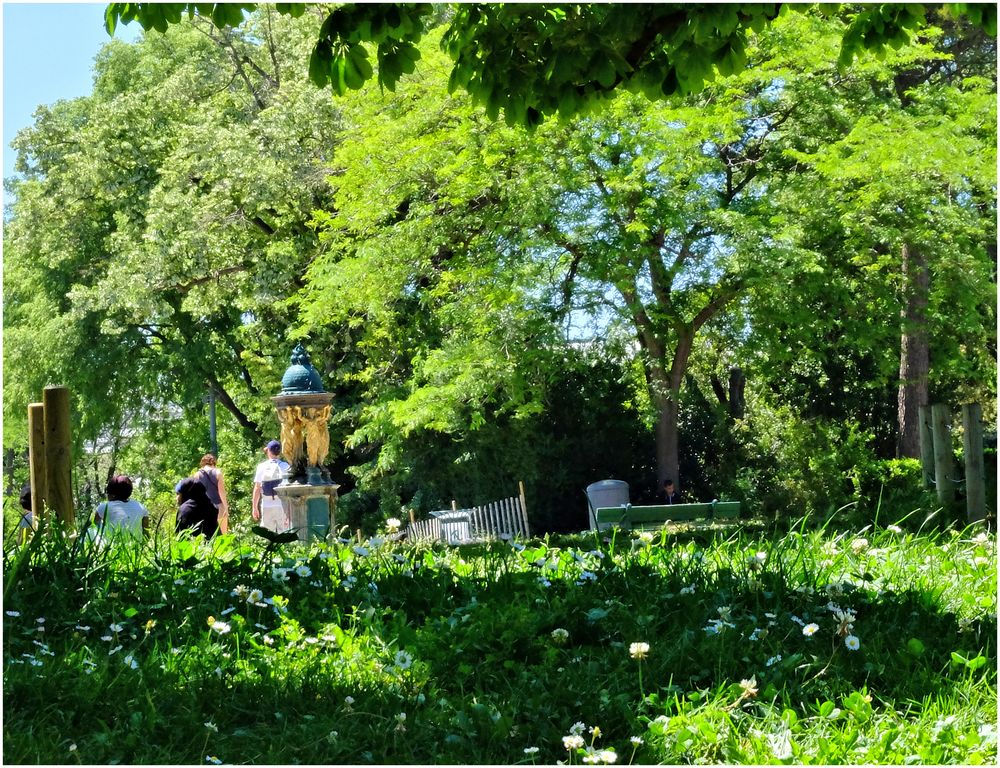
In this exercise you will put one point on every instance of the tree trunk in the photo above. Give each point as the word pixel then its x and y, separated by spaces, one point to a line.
pixel 667 460
pixel 737 393
pixel 665 391
pixel 914 356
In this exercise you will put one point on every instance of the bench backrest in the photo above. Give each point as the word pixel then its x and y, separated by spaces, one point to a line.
pixel 658 514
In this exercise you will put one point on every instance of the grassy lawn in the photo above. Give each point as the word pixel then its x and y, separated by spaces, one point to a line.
pixel 875 646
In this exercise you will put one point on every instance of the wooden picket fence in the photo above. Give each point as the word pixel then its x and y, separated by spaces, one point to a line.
pixel 506 518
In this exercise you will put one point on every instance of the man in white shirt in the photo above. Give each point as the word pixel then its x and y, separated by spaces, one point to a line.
pixel 267 508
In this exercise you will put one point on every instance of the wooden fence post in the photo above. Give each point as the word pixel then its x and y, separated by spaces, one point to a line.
pixel 524 507
pixel 975 480
pixel 58 453
pixel 926 445
pixel 37 475
pixel 944 462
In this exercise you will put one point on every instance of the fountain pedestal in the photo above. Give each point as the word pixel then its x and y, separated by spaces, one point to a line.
pixel 307 493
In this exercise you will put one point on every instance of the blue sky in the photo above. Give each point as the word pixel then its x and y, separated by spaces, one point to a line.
pixel 48 54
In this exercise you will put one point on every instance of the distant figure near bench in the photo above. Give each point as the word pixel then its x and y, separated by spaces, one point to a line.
pixel 668 495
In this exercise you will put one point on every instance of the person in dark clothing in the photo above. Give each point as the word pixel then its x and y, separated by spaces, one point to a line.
pixel 27 523
pixel 667 493
pixel 195 511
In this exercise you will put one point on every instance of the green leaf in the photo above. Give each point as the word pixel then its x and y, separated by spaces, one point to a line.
pixel 291 9
pixel 111 18
pixel 319 63
pixel 914 647
pixel 734 58
pixel 606 73
pixel 274 537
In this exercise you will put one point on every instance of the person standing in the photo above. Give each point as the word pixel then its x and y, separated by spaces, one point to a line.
pixel 194 510
pixel 121 513
pixel 267 507
pixel 211 477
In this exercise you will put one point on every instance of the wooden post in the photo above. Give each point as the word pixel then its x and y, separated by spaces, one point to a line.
pixel 524 507
pixel 58 453
pixel 454 506
pixel 975 480
pixel 37 475
pixel 944 462
pixel 412 518
pixel 926 445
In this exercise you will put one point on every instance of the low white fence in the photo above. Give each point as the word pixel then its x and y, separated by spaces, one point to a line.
pixel 506 518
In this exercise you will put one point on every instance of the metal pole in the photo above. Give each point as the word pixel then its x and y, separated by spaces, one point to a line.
pixel 212 432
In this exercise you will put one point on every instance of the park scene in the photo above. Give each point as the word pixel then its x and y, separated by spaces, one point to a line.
pixel 505 384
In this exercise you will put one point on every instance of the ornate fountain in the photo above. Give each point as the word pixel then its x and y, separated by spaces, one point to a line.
pixel 303 406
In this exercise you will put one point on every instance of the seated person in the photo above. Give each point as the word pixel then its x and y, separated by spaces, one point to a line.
pixel 121 513
pixel 668 495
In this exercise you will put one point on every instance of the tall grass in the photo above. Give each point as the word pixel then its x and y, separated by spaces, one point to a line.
pixel 813 646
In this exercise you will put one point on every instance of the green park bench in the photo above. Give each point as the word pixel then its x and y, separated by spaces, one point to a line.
pixel 654 516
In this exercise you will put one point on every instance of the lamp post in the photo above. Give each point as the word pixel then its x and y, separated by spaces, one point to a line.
pixel 303 406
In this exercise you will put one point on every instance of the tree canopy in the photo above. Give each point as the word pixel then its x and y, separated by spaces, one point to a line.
pixel 533 61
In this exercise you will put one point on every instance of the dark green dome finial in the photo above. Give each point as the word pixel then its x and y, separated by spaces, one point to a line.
pixel 300 376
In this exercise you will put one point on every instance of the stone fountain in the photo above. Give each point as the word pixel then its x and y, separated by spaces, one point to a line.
pixel 308 493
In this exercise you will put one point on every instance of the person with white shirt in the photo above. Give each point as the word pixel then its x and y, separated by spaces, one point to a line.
pixel 266 506
pixel 121 513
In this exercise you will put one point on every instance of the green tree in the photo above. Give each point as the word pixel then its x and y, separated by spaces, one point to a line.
pixel 159 223
pixel 901 216
pixel 537 60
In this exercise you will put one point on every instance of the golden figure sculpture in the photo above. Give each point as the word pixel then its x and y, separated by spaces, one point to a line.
pixel 291 433
pixel 317 435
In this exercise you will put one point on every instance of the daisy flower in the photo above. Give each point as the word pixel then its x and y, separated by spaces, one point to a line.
pixel 852 642
pixel 221 627
pixel 810 629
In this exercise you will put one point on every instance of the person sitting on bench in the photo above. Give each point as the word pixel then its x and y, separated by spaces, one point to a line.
pixel 668 495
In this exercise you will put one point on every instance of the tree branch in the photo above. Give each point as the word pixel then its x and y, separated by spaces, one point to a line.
pixel 184 288
pixel 245 421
